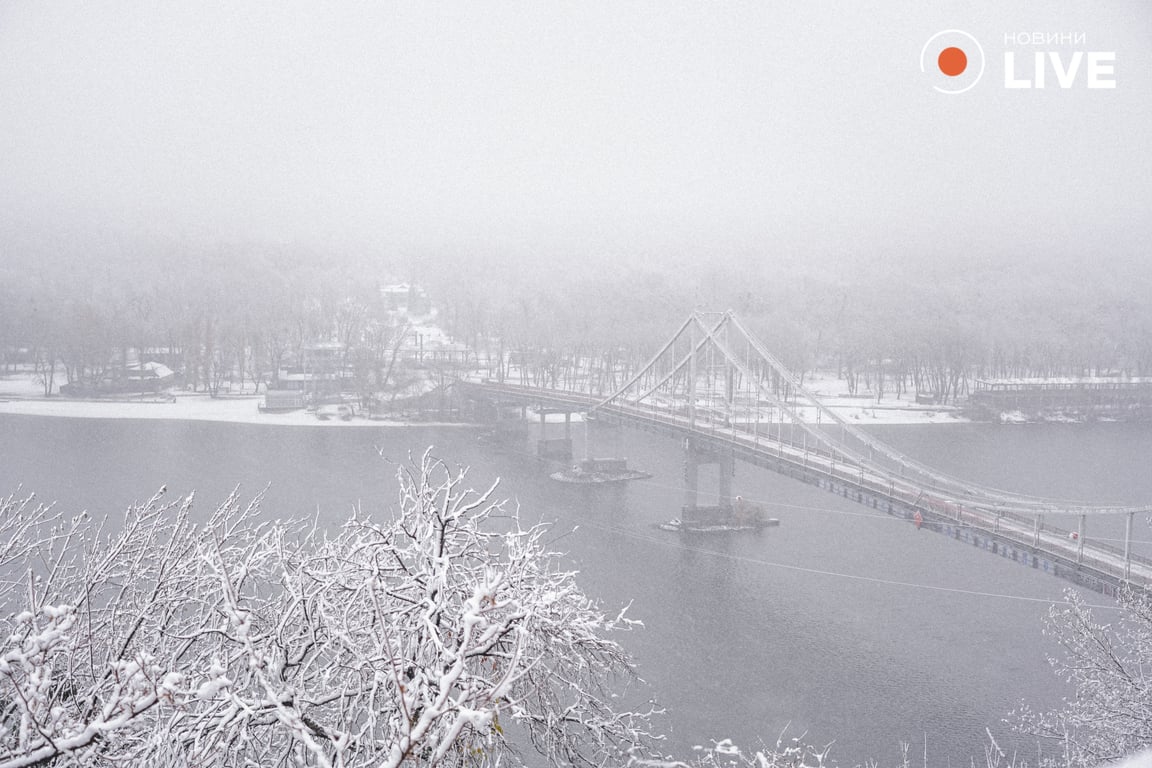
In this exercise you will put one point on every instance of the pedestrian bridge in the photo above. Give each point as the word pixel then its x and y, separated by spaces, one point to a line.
pixel 718 388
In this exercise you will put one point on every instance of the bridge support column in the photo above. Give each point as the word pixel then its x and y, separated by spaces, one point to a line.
pixel 557 448
pixel 1080 541
pixel 691 480
pixel 1128 546
pixel 694 456
pixel 727 465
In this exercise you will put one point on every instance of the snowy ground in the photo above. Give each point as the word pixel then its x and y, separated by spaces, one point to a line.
pixel 23 394
pixel 866 409
pixel 867 412
pixel 189 408
pixel 21 385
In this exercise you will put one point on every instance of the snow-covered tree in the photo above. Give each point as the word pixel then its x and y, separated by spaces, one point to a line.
pixel 427 637
pixel 1109 716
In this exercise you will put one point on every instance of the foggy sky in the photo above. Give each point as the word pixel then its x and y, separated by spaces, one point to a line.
pixel 665 132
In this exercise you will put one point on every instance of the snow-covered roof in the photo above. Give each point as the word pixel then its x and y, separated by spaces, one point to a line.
pixel 151 371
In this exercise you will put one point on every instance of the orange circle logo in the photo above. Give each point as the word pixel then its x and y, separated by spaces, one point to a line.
pixel 952 61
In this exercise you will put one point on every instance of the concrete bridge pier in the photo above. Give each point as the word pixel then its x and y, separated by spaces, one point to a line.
pixel 556 448
pixel 544 412
pixel 1128 546
pixel 495 411
pixel 696 455
pixel 691 478
pixel 1080 541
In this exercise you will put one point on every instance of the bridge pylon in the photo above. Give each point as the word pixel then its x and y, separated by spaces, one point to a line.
pixel 717 387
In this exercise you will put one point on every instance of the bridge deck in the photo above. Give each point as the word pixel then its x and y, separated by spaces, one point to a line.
pixel 1037 542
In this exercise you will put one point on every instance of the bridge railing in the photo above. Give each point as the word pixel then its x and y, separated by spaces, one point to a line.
pixel 1014 526
pixel 1018 528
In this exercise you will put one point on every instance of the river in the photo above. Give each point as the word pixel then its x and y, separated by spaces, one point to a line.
pixel 844 624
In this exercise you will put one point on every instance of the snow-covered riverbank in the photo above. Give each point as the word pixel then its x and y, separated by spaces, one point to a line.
pixel 246 410
pixel 185 407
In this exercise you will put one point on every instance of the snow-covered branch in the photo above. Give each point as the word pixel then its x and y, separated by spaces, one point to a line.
pixel 1110 714
pixel 414 638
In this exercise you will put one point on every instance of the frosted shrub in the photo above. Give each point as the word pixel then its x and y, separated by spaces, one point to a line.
pixel 416 639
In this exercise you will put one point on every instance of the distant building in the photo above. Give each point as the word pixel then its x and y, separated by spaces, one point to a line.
pixel 173 357
pixel 139 379
pixel 428 344
pixel 150 376
pixel 405 297
pixel 319 368
pixel 280 400
pixel 1089 396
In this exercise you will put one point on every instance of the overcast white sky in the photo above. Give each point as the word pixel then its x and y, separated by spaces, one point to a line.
pixel 666 131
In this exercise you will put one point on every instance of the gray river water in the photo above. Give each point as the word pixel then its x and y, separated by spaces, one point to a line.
pixel 851 626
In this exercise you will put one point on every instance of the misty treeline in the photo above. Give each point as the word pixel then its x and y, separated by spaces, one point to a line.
pixel 230 317
pixel 881 326
pixel 224 321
